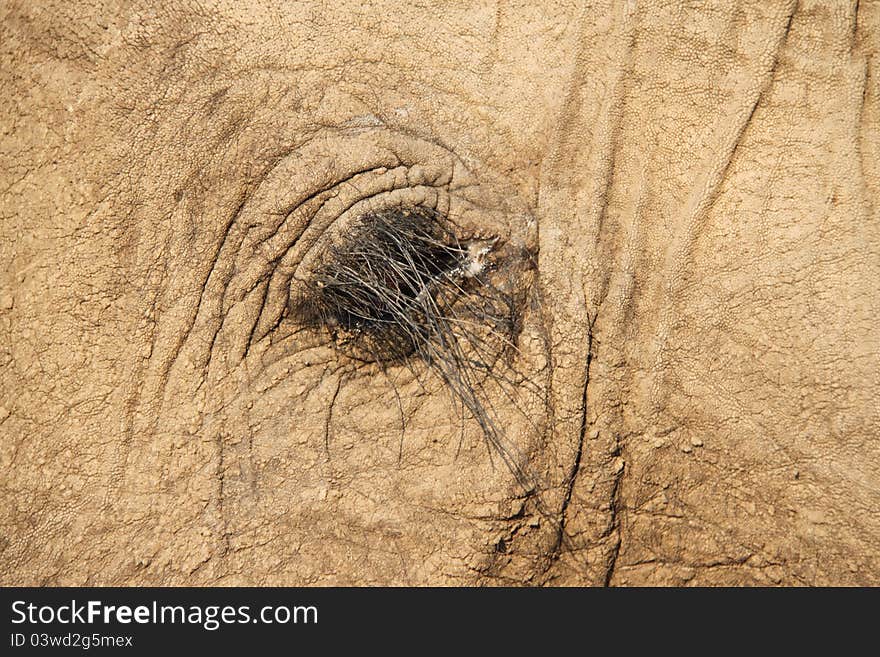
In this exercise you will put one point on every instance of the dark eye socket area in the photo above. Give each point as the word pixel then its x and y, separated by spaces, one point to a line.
pixel 402 283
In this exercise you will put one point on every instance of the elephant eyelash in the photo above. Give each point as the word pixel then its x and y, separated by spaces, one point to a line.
pixel 401 287
pixel 392 289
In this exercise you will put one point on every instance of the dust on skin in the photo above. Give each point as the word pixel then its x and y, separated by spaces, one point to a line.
pixel 696 399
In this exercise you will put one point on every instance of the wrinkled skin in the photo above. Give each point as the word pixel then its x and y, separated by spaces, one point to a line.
pixel 699 187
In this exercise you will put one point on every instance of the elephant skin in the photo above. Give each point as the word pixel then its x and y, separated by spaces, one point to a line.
pixel 688 196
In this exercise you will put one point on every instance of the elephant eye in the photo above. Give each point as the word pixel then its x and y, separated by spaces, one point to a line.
pixel 402 284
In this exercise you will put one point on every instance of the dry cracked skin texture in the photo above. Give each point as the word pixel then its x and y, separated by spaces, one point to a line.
pixel 695 382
